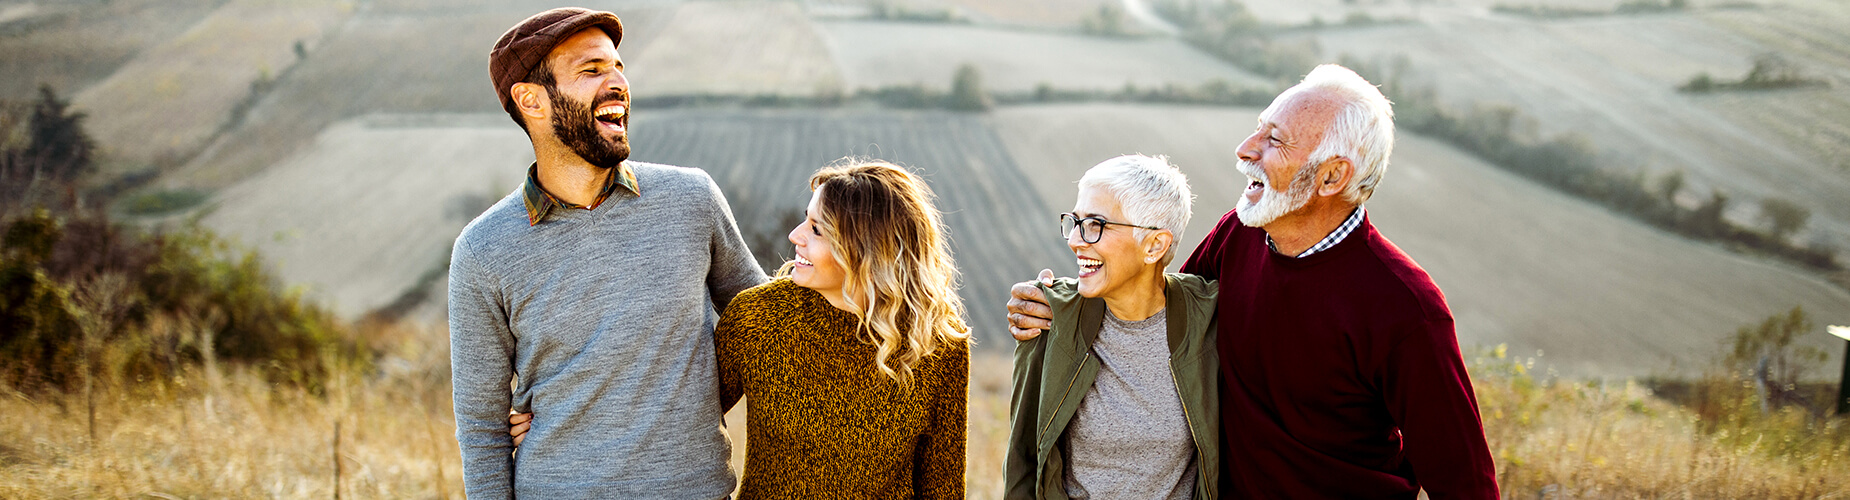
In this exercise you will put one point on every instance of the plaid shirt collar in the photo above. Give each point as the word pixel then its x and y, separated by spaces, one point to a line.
pixel 540 203
pixel 1342 231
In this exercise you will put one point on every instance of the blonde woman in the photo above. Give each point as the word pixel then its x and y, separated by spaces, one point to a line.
pixel 854 362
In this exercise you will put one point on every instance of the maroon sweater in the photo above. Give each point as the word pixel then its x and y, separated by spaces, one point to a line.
pixel 1342 373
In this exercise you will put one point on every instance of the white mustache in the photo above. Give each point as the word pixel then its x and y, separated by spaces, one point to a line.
pixel 1251 169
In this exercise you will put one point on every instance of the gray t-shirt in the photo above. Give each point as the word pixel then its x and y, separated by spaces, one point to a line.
pixel 1129 437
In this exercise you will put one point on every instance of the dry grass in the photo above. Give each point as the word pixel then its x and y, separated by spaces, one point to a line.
pixel 241 437
pixel 183 438
pixel 1568 439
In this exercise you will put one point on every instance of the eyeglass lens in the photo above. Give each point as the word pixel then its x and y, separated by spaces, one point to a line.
pixel 1091 228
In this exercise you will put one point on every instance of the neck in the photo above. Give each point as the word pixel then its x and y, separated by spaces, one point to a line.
pixel 1140 299
pixel 837 299
pixel 569 178
pixel 1297 232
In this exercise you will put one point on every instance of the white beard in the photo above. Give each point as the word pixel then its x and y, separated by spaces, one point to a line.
pixel 1273 203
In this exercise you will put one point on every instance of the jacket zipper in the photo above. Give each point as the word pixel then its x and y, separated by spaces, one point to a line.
pixel 1069 392
pixel 1200 459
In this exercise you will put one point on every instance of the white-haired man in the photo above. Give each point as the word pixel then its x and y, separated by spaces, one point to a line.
pixel 1341 373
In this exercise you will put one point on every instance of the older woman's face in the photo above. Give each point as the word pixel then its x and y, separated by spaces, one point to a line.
pixel 1278 182
pixel 1114 263
pixel 815 268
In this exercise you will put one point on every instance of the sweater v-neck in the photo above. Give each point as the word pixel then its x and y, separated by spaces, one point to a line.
pixel 1348 245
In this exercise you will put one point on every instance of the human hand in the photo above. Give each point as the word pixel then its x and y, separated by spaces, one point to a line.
pixel 518 423
pixel 1028 310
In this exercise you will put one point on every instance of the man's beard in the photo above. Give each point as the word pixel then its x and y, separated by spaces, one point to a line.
pixel 575 124
pixel 1273 203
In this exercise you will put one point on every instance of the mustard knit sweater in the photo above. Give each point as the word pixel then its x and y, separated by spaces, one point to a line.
pixel 821 421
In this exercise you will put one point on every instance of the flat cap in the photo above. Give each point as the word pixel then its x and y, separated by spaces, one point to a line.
pixel 527 44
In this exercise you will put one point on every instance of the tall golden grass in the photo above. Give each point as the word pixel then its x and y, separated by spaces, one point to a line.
pixel 239 436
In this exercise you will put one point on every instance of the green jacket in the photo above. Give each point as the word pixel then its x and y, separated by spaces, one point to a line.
pixel 1055 370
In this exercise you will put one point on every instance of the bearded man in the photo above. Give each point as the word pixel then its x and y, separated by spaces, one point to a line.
pixel 594 288
pixel 1341 373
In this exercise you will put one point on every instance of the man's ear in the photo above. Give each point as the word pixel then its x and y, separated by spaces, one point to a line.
pixel 1333 176
pixel 531 99
pixel 1157 245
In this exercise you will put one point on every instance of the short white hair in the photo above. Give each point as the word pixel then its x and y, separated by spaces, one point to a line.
pixel 1362 131
pixel 1149 190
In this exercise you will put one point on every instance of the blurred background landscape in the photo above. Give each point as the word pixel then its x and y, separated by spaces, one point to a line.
pixel 227 222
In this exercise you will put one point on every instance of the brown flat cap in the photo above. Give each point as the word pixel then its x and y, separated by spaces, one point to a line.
pixel 527 44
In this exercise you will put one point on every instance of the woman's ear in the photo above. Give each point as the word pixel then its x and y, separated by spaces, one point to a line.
pixel 1157 245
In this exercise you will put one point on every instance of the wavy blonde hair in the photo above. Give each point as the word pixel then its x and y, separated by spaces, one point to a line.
pixel 890 240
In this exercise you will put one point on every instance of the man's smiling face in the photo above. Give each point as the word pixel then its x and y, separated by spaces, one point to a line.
pixel 590 98
pixel 1273 158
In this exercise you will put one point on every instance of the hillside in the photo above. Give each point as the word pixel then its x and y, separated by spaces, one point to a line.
pixel 1599 294
pixel 874 54
pixel 1613 79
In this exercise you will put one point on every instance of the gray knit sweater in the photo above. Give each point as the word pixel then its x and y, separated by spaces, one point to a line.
pixel 605 318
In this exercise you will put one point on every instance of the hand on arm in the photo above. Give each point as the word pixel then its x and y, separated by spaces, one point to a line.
pixel 1028 310
pixel 518 423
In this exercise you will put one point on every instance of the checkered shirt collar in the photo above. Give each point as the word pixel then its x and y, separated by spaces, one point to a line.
pixel 1342 231
pixel 539 202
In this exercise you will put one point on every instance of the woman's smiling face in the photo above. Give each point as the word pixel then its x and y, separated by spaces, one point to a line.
pixel 1116 259
pixel 814 266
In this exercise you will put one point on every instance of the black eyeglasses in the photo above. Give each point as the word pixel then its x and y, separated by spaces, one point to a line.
pixel 1091 227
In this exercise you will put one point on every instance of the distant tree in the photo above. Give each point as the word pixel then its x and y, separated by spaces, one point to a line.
pixel 1702 82
pixel 967 92
pixel 1767 353
pixel 1707 219
pixel 1668 187
pixel 58 138
pixel 1783 216
pixel 1771 70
